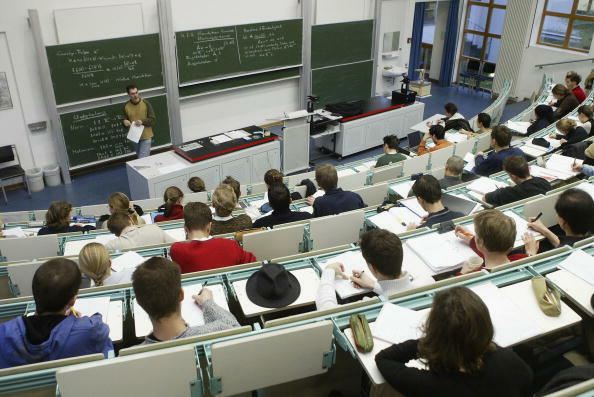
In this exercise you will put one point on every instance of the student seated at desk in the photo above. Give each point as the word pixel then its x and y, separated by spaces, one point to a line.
pixel 453 172
pixel 525 185
pixel 570 132
pixel 500 139
pixel 173 208
pixel 462 359
pixel 437 135
pixel 224 202
pixel 55 330
pixel 196 185
pixel 428 193
pixel 565 101
pixel 585 169
pixel 575 213
pixel 454 120
pixel 234 183
pixel 57 220
pixel 120 202
pixel 95 263
pixel 272 177
pixel 130 235
pixel 335 200
pixel 586 118
pixel 279 199
pixel 493 242
pixel 157 286
pixel 483 120
pixel 203 252
pixel 572 82
pixel 544 117
pixel 382 251
pixel 391 155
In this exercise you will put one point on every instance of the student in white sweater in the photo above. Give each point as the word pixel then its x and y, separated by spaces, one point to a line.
pixel 130 235
pixel 95 263
pixel 382 250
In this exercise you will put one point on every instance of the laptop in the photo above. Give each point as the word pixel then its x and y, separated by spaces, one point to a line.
pixel 414 140
pixel 458 204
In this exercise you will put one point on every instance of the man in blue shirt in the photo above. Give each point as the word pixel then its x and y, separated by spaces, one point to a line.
pixel 500 139
pixel 335 200
pixel 55 330
pixel 279 198
pixel 428 193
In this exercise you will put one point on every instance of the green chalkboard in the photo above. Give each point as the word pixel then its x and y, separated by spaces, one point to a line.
pixel 98 134
pixel 207 54
pixel 95 69
pixel 340 43
pixel 240 81
pixel 342 83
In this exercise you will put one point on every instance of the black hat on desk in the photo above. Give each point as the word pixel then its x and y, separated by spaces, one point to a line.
pixel 272 286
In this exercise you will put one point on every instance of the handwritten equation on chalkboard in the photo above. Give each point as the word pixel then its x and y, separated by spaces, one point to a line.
pixel 207 53
pixel 102 68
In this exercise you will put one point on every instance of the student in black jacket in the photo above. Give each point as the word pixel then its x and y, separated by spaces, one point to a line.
pixel 428 193
pixel 57 220
pixel 575 214
pixel 570 132
pixel 335 200
pixel 586 117
pixel 565 101
pixel 279 199
pixel 544 118
pixel 458 349
pixel 525 185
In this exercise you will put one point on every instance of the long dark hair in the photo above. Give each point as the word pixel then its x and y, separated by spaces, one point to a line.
pixel 170 197
pixel 458 333
pixel 544 112
pixel 58 215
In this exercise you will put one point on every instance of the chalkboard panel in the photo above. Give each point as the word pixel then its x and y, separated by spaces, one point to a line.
pixel 343 82
pixel 232 50
pixel 218 85
pixel 95 69
pixel 339 43
pixel 98 134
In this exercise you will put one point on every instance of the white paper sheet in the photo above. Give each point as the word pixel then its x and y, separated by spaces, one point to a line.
pixel 90 306
pixel 413 205
pixel 402 188
pixel 511 324
pixel 441 252
pixel 345 172
pixel 352 260
pixel 534 150
pixel 586 187
pixel 14 232
pixel 581 265
pixel 395 220
pixel 127 259
pixel 470 161
pixel 456 137
pixel 484 185
pixel 237 134
pixel 148 219
pixel 104 238
pixel 521 127
pixel 563 164
pixel 307 208
pixel 397 324
pixel 366 166
pixel 135 132
pixel 422 126
pixel 220 139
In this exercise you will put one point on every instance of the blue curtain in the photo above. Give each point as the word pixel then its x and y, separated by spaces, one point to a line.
pixel 417 37
pixel 448 58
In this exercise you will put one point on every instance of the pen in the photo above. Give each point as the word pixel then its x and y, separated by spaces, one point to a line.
pixel 74 312
pixel 466 234
pixel 203 285
pixel 537 217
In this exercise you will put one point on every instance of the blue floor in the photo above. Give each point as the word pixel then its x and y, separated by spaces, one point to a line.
pixel 94 187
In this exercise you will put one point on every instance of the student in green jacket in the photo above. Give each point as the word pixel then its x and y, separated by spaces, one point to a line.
pixel 391 155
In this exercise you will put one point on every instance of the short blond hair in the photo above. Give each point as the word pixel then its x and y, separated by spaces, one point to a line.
pixel 94 262
pixel 496 230
pixel 224 200
pixel 565 125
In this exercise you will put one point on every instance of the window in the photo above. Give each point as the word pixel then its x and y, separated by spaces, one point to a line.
pixel 428 35
pixel 567 24
pixel 480 42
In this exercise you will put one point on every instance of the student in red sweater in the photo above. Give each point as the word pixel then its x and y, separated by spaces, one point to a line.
pixel 203 252
pixel 173 207
pixel 572 81
pixel 495 237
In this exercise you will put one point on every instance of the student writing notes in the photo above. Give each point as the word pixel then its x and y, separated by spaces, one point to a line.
pixel 279 199
pixel 428 193
pixel 458 349
pixel 335 200
pixel 130 235
pixel 157 286
pixel 203 252
pixel 54 331
pixel 500 140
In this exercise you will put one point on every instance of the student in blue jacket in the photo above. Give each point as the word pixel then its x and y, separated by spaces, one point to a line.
pixel 55 330
pixel 335 200
pixel 500 139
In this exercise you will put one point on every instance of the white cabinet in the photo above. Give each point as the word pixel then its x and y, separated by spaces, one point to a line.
pixel 238 169
pixel 180 181
pixel 210 175
pixel 262 162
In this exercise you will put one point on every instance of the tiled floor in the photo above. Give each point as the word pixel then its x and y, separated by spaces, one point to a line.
pixel 94 187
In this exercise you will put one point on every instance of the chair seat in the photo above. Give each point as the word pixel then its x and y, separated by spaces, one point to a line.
pixel 13 171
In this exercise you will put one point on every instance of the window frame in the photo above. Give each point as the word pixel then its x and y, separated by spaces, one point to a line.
pixel 571 18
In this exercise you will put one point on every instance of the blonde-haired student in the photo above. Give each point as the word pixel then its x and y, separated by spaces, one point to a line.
pixel 95 263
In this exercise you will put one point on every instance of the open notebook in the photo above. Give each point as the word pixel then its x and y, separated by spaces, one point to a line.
pixel 580 264
pixel 557 167
pixel 441 252
pixel 395 220
pixel 351 260
pixel 126 260
pixel 484 185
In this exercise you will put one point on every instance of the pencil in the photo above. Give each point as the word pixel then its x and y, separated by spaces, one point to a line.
pixel 537 217
pixel 203 285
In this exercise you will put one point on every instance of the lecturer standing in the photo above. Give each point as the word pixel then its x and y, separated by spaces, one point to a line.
pixel 140 112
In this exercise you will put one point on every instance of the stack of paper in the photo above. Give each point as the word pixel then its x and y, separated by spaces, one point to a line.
pixel 135 132
pixel 511 323
pixel 395 220
pixel 397 324
pixel 413 205
pixel 562 165
pixel 237 134
pixel 218 139
pixel 403 189
pixel 90 306
pixel 581 265
pixel 14 232
pixel 586 187
pixel 351 260
pixel 456 137
pixel 534 150
pixel 521 127
pixel 469 160
pixel 345 172
pixel 441 252
pixel 126 260
pixel 366 166
pixel 484 185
